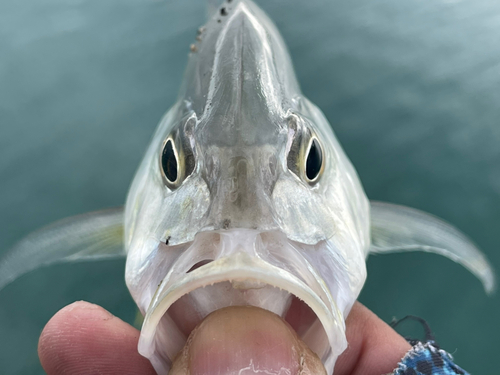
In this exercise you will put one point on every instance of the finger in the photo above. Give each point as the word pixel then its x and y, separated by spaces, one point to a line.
pixel 374 347
pixel 245 340
pixel 83 338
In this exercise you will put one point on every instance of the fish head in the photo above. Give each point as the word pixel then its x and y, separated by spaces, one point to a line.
pixel 244 197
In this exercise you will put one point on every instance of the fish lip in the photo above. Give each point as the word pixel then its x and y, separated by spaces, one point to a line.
pixel 240 266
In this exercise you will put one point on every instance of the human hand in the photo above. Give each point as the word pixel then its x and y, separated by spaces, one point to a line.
pixel 83 339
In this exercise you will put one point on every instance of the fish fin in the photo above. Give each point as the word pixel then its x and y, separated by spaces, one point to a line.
pixel 92 236
pixel 397 228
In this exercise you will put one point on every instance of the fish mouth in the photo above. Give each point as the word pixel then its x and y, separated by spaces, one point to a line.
pixel 241 267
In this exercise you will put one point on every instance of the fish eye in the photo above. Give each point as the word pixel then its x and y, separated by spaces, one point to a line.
pixel 314 161
pixel 305 156
pixel 176 161
pixel 170 161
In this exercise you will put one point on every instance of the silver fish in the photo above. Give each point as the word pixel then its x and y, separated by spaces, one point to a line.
pixel 244 197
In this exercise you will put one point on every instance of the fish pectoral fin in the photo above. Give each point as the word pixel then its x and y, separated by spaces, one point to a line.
pixel 92 236
pixel 397 228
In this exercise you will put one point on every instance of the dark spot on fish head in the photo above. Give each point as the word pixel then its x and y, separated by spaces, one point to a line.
pixel 226 223
pixel 223 11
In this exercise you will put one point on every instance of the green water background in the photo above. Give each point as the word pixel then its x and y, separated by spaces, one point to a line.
pixel 411 88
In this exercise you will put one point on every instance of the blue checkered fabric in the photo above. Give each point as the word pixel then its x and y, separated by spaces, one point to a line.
pixel 428 359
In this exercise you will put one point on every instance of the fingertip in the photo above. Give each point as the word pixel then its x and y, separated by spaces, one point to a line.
pixel 55 331
pixel 82 336
pixel 245 339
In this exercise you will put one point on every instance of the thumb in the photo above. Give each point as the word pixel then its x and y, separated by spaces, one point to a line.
pixel 245 340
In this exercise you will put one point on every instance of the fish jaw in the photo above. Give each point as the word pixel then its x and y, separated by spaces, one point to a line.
pixel 242 267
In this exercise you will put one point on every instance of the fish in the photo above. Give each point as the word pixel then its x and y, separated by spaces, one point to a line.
pixel 244 197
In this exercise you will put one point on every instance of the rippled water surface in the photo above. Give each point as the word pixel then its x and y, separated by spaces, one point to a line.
pixel 412 89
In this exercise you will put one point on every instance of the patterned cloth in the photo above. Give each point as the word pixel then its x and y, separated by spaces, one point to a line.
pixel 428 359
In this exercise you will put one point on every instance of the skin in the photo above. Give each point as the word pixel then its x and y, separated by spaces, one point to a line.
pixel 83 338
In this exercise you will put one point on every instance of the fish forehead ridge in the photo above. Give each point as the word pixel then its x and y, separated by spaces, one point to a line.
pixel 240 80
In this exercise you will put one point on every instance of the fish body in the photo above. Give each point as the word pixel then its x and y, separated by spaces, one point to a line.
pixel 245 205
pixel 244 197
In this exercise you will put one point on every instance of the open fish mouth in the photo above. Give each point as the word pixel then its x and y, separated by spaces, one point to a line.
pixel 241 267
